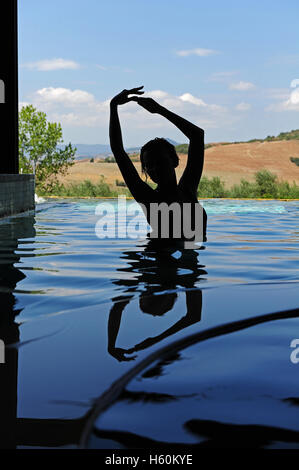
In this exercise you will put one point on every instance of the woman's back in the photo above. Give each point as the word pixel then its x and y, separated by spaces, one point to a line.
pixel 175 215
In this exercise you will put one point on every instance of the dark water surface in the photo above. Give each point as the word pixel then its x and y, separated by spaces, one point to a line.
pixel 193 341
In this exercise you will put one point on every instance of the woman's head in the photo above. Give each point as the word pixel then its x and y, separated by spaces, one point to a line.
pixel 157 304
pixel 158 157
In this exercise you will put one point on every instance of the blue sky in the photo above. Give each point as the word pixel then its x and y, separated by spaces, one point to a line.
pixel 228 66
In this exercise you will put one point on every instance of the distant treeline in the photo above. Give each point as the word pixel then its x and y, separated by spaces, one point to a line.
pixel 292 135
pixel 265 186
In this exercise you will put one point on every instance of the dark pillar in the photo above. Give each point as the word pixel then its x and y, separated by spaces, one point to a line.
pixel 9 159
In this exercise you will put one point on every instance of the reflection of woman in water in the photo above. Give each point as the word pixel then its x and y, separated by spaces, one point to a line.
pixel 158 275
pixel 159 160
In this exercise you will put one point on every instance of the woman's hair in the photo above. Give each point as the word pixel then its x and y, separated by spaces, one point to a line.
pixel 159 144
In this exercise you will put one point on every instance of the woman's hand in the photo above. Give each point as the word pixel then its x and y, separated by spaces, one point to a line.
pixel 148 103
pixel 119 354
pixel 123 96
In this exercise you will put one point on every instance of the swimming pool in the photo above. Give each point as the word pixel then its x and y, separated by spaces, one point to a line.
pixel 80 313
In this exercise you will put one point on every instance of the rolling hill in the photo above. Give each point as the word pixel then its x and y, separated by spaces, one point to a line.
pixel 231 162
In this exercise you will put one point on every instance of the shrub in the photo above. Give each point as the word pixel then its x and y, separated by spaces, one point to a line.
pixel 110 159
pixel 211 188
pixel 266 184
pixel 244 190
pixel 286 191
pixel 295 160
pixel 120 183
pixel 84 189
pixel 182 148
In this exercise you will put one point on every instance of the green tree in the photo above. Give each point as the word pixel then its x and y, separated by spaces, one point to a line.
pixel 39 150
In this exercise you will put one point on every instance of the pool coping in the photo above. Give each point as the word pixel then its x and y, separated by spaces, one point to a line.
pixel 200 198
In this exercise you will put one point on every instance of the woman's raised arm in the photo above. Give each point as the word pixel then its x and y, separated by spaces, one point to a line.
pixel 131 177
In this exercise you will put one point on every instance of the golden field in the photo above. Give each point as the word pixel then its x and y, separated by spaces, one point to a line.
pixel 231 163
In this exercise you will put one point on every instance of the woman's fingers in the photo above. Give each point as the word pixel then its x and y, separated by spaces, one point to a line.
pixel 137 88
pixel 135 91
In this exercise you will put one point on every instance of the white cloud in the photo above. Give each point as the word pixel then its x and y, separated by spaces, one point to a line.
pixel 242 86
pixel 52 64
pixel 293 99
pixel 199 52
pixel 192 99
pixel 156 94
pixel 76 119
pixel 185 102
pixel 80 112
pixel 64 96
pixel 295 83
pixel 291 103
pixel 23 104
pixel 243 106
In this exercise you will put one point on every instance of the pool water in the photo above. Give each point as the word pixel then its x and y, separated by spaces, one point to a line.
pixel 82 314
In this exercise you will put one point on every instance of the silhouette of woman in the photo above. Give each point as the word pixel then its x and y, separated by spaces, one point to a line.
pixel 159 160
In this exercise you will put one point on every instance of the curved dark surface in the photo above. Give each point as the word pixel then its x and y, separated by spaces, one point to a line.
pixel 165 384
